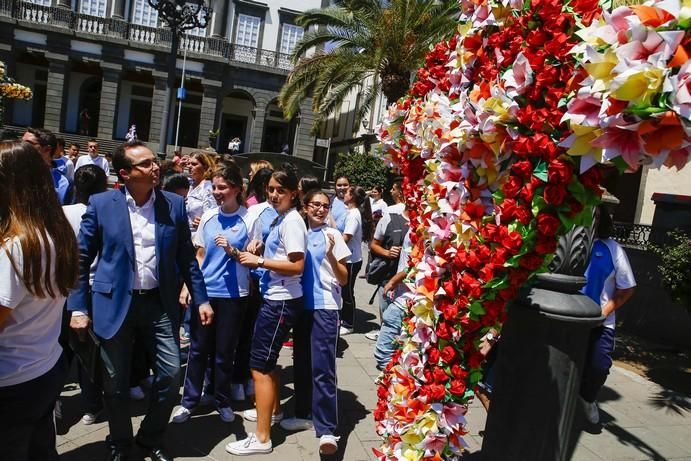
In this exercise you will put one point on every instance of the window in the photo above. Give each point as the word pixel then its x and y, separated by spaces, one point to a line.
pixel 290 36
pixel 93 8
pixel 40 2
pixel 144 15
pixel 248 31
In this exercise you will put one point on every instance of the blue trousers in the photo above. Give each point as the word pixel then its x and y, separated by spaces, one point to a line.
pixel 391 325
pixel 598 361
pixel 27 432
pixel 218 340
pixel 314 364
pixel 147 321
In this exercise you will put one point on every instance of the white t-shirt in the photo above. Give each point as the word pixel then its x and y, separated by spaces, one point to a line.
pixel 100 162
pixel 353 227
pixel 378 207
pixel 608 270
pixel 320 287
pixel 225 277
pixel 199 200
pixel 288 235
pixel 74 214
pixel 29 338
pixel 380 230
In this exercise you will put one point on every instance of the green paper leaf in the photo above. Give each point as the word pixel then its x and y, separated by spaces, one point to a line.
pixel 477 309
pixel 620 164
pixel 540 171
pixel 577 190
pixel 498 196
pixel 475 377
pixel 539 203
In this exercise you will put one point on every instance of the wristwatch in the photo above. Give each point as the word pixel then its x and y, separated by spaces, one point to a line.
pixel 260 261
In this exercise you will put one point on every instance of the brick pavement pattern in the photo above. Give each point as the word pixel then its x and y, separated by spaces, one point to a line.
pixel 637 424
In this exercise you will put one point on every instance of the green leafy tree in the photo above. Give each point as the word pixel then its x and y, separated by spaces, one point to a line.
pixel 675 267
pixel 361 39
pixel 361 169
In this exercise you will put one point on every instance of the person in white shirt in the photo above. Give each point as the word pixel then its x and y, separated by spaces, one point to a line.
pixel 38 266
pixel 610 283
pixel 222 234
pixel 358 229
pixel 377 202
pixel 316 331
pixel 200 196
pixel 283 260
pixel 88 180
pixel 93 158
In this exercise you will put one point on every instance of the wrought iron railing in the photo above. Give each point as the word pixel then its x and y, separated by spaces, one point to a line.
pixel 152 36
pixel 634 235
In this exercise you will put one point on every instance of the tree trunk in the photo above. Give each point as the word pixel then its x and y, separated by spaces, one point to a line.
pixel 395 83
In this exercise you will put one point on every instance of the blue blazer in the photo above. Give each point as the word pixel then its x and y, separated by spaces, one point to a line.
pixel 106 231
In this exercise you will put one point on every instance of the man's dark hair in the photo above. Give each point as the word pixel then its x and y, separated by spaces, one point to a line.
pixel 61 142
pixel 94 140
pixel 605 224
pixel 79 148
pixel 175 182
pixel 89 180
pixel 120 160
pixel 45 138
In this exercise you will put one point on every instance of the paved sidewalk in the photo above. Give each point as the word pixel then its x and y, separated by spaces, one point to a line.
pixel 642 421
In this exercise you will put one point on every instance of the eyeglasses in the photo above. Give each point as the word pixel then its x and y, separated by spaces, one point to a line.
pixel 146 164
pixel 317 205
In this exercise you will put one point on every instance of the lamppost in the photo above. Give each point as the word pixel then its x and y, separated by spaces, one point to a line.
pixel 179 16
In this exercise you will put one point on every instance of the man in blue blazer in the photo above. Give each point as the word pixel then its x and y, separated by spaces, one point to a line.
pixel 142 240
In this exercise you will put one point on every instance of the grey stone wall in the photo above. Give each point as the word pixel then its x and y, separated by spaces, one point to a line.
pixel 207 118
pixel 54 91
pixel 157 103
pixel 109 99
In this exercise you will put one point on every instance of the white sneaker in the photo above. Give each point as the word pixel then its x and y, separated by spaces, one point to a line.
pixel 592 412
pixel 328 444
pixel 237 392
pixel 226 414
pixel 344 331
pixel 296 424
pixel 249 388
pixel 136 393
pixel 181 415
pixel 251 415
pixel 249 446
pixel 372 335
pixel 89 418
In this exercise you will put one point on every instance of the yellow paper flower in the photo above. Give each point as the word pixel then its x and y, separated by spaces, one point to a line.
pixel 638 85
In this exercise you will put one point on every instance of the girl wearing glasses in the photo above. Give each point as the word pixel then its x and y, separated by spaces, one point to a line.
pixel 281 289
pixel 223 232
pixel 358 228
pixel 316 332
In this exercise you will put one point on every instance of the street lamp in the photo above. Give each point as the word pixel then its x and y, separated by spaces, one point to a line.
pixel 179 16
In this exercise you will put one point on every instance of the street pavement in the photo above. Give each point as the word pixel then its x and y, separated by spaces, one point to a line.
pixel 641 420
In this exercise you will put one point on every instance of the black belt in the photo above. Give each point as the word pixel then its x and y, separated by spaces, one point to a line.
pixel 152 291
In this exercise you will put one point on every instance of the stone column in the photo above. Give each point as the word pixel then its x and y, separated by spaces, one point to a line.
pixel 57 67
pixel 157 102
pixel 109 99
pixel 220 8
pixel 207 118
pixel 118 9
pixel 258 126
pixel 304 141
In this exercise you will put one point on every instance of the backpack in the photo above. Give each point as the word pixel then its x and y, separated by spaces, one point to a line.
pixel 382 269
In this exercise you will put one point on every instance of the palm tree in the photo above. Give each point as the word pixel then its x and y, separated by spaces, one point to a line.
pixel 356 40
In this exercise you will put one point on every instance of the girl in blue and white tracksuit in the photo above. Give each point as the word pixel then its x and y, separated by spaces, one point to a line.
pixel 222 234
pixel 317 330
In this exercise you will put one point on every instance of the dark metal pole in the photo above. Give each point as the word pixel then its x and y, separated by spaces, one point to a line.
pixel 166 116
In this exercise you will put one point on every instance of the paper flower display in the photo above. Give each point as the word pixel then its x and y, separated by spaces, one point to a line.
pixel 10 89
pixel 501 142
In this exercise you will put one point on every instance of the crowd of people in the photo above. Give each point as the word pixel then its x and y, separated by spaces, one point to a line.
pixel 184 251
pixel 189 251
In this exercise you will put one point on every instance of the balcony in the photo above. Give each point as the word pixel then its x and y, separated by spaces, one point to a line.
pixel 155 37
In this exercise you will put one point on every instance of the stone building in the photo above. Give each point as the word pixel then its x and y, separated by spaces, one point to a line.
pixel 98 66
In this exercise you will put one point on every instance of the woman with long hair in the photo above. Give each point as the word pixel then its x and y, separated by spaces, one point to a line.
pixel 200 197
pixel 38 267
pixel 358 229
pixel 316 331
pixel 281 288
pixel 256 190
pixel 223 233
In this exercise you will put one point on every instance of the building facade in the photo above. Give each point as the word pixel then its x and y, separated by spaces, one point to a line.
pixel 99 66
